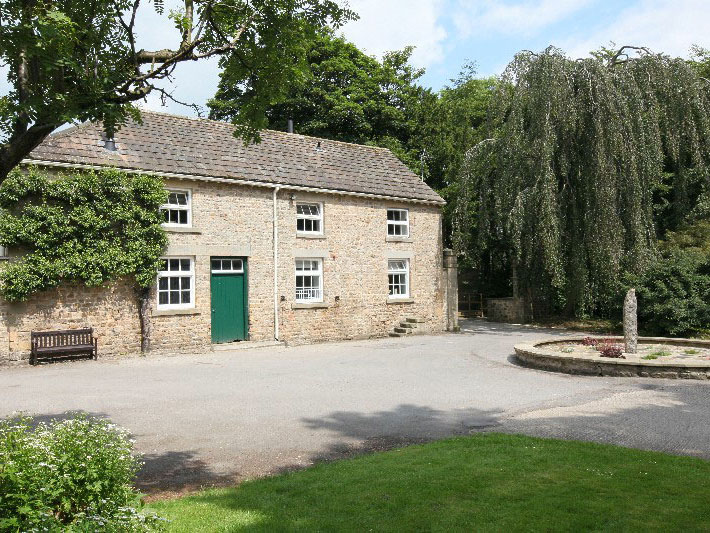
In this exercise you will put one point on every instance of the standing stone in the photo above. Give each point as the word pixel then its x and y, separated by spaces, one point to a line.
pixel 631 335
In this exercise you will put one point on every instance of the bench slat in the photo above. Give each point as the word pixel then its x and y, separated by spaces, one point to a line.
pixel 70 341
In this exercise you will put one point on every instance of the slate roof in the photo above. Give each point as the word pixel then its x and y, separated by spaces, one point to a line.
pixel 200 147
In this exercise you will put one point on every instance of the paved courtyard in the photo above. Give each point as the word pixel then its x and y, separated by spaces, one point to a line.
pixel 227 416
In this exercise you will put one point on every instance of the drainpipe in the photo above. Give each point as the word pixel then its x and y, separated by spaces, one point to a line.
pixel 276 267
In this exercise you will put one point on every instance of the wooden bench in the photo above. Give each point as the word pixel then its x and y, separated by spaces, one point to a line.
pixel 63 342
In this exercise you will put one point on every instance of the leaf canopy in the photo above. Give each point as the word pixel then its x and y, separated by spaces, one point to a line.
pixel 581 158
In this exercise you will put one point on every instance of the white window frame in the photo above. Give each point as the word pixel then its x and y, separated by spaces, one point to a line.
pixel 177 207
pixel 176 274
pixel 391 224
pixel 318 272
pixel 4 253
pixel 399 271
pixel 318 217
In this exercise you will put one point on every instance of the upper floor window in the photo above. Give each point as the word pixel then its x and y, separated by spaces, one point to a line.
pixel 309 280
pixel 309 218
pixel 398 274
pixel 398 222
pixel 178 210
pixel 176 283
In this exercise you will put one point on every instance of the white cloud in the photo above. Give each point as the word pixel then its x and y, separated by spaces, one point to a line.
pixel 386 25
pixel 504 17
pixel 668 26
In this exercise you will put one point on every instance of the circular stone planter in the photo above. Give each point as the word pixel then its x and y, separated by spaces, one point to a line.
pixel 545 355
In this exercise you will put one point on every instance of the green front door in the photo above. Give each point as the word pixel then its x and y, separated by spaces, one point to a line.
pixel 229 299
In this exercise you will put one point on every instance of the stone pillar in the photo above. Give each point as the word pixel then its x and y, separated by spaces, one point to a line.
pixel 630 322
pixel 451 284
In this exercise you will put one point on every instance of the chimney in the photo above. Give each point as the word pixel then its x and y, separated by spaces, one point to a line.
pixel 290 125
pixel 109 142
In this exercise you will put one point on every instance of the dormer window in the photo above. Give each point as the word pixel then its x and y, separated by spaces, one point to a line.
pixel 309 219
pixel 178 210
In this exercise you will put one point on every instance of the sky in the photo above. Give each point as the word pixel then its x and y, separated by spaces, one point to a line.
pixel 449 33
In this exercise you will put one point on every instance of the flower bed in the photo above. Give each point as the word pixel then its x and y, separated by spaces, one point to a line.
pixel 604 356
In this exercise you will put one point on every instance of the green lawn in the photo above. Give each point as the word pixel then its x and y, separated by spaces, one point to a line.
pixel 488 482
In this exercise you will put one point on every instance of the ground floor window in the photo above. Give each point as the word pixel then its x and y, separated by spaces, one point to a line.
pixel 3 252
pixel 309 280
pixel 398 272
pixel 176 283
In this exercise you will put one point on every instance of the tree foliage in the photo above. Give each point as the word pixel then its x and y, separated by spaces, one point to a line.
pixel 350 96
pixel 88 227
pixel 581 157
pixel 345 95
pixel 70 60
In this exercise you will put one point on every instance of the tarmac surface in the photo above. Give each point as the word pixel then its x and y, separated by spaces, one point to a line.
pixel 217 418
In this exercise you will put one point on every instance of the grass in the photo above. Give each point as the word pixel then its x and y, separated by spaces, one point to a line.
pixel 691 351
pixel 650 356
pixel 660 353
pixel 489 482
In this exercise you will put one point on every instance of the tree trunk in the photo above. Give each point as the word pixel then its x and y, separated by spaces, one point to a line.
pixel 20 145
pixel 144 315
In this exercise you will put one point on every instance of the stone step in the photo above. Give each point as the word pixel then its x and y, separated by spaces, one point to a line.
pixel 408 325
pixel 414 320
pixel 397 334
pixel 402 330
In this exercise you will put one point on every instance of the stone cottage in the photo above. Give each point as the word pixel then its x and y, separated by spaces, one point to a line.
pixel 296 238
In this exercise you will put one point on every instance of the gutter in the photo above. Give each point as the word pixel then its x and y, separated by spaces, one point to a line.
pixel 234 181
pixel 276 266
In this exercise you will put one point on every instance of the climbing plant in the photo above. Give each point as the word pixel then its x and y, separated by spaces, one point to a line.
pixel 85 227
pixel 88 227
pixel 583 159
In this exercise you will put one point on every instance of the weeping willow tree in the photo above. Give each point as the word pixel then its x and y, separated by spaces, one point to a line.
pixel 582 155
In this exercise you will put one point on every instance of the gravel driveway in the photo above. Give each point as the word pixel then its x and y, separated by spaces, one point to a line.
pixel 228 416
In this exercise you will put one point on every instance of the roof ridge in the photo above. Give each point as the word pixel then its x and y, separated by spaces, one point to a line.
pixel 224 122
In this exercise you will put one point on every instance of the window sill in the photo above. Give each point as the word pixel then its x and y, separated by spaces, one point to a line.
pixel 171 312
pixel 309 235
pixel 314 305
pixel 181 229
pixel 390 238
pixel 400 300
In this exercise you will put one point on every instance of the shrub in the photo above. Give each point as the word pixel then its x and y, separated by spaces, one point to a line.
pixel 611 350
pixel 74 474
pixel 674 294
pixel 589 341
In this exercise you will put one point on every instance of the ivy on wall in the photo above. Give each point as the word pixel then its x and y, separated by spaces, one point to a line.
pixel 88 226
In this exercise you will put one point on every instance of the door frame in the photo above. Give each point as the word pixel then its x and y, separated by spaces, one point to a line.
pixel 245 273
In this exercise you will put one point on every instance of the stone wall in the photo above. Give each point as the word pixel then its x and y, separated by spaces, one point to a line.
pixel 236 220
pixel 355 251
pixel 111 310
pixel 508 310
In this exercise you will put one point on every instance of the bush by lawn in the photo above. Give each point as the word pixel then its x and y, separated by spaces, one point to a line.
pixel 484 482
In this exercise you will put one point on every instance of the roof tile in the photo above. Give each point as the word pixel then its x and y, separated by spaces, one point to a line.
pixel 183 145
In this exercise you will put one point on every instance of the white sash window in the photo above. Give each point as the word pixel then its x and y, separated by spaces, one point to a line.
pixel 178 210
pixel 309 218
pixel 398 274
pixel 398 222
pixel 176 283
pixel 309 280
